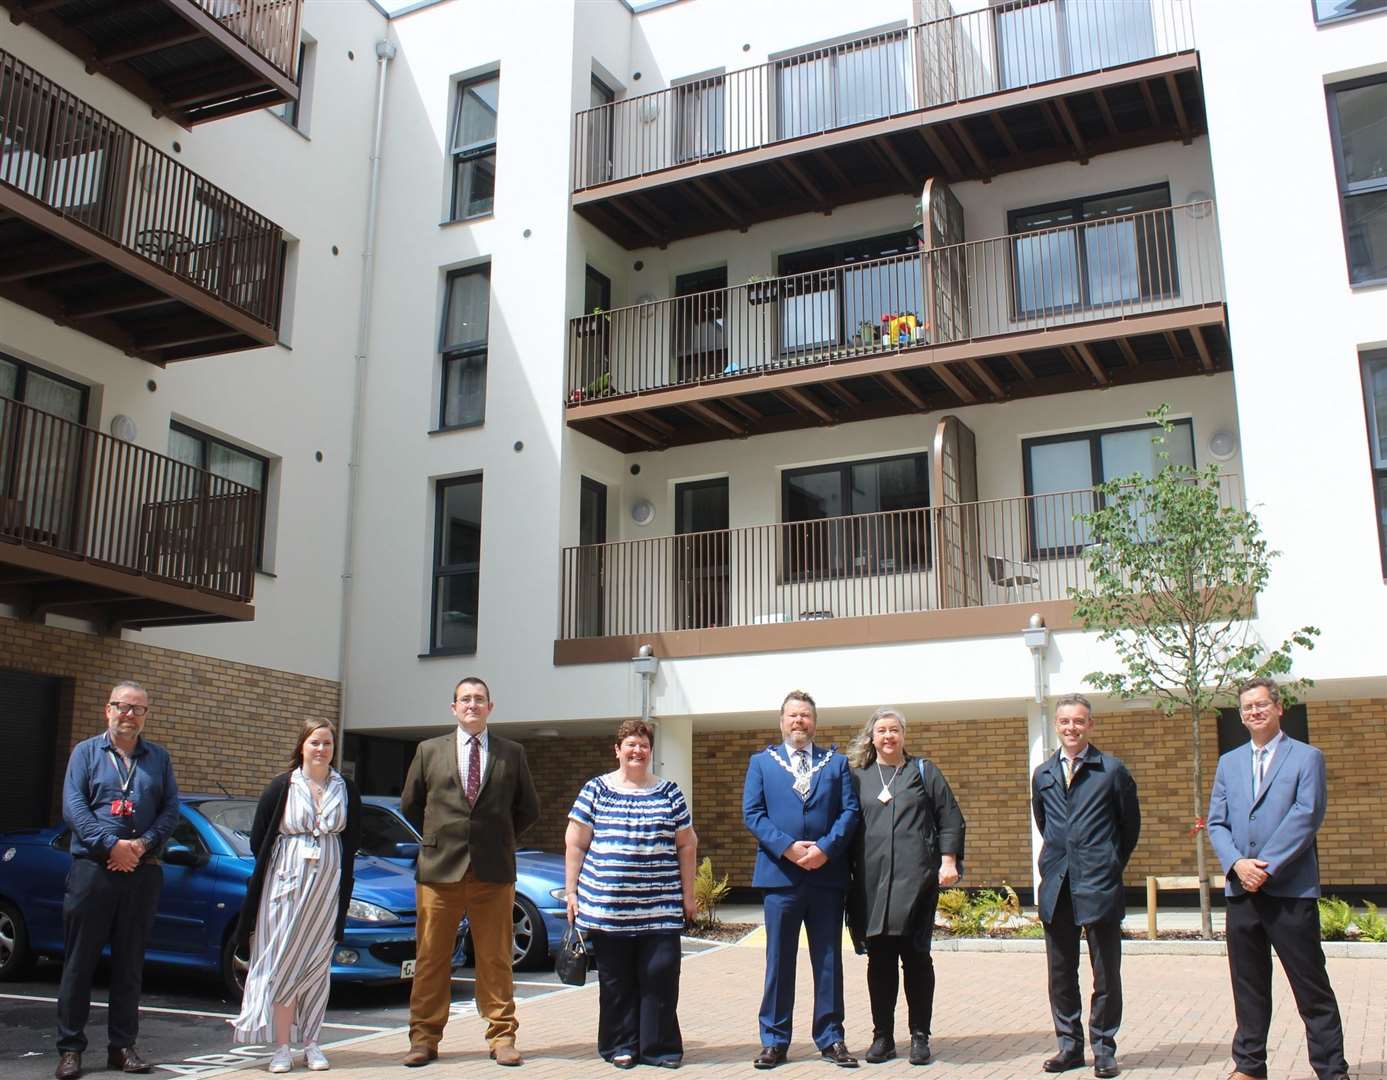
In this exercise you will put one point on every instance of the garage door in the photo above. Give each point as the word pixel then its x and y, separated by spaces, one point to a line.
pixel 28 730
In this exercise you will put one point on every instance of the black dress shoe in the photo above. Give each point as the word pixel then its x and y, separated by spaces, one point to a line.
pixel 1105 1068
pixel 919 1049
pixel 838 1054
pixel 883 1048
pixel 770 1057
pixel 69 1065
pixel 126 1059
pixel 1063 1063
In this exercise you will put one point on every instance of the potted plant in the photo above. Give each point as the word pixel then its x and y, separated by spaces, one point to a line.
pixel 762 290
pixel 867 334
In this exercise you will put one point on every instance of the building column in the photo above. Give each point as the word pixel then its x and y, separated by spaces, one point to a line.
pixel 674 752
pixel 1040 737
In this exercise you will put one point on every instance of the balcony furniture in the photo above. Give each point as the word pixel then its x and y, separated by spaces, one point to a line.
pixel 1011 575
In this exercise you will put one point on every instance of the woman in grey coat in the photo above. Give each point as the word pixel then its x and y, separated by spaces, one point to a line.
pixel 910 844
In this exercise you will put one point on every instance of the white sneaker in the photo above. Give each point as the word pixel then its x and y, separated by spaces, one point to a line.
pixel 283 1060
pixel 314 1058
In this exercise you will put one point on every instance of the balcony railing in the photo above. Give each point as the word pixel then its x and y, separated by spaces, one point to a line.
pixel 964 555
pixel 1107 268
pixel 77 492
pixel 79 163
pixel 1007 46
pixel 270 27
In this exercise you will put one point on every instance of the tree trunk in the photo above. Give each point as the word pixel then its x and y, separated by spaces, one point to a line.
pixel 1206 914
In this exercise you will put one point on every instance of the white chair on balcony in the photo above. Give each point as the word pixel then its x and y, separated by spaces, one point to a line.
pixel 1012 576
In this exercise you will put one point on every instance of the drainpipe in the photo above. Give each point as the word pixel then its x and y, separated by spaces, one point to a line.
pixel 385 52
pixel 1036 637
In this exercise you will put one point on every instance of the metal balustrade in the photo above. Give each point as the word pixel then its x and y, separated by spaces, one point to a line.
pixel 270 27
pixel 1106 268
pixel 1005 46
pixel 962 555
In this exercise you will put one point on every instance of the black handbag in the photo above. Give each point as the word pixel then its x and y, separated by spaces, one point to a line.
pixel 571 964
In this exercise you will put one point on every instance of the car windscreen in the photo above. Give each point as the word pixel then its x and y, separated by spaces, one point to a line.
pixel 232 818
pixel 381 831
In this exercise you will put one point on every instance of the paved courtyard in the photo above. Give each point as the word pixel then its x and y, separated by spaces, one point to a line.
pixel 991 1020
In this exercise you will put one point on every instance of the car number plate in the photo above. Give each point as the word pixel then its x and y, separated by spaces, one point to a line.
pixel 407 969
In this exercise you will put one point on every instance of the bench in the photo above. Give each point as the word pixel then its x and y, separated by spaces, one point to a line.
pixel 1153 886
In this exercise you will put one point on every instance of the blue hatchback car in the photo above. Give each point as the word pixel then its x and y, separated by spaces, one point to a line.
pixel 207 863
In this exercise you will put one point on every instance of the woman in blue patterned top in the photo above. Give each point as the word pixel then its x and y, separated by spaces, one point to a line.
pixel 630 853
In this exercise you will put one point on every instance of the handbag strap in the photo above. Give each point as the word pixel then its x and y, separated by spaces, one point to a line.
pixel 578 932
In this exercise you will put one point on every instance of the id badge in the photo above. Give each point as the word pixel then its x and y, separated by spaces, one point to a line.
pixel 310 854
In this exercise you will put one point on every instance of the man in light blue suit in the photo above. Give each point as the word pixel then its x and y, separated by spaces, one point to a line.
pixel 800 804
pixel 1267 807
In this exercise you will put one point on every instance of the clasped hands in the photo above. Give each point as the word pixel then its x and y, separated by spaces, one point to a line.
pixel 805 854
pixel 125 855
pixel 1252 873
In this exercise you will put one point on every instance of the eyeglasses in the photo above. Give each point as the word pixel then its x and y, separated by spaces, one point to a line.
pixel 1255 707
pixel 478 700
pixel 124 707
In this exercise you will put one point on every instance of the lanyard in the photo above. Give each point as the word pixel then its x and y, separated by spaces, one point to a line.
pixel 126 780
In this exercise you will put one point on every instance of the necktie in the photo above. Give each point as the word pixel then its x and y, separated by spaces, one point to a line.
pixel 474 768
pixel 1068 772
pixel 1259 771
pixel 802 773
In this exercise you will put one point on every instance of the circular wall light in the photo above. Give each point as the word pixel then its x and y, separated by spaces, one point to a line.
pixel 1223 444
pixel 123 428
pixel 642 512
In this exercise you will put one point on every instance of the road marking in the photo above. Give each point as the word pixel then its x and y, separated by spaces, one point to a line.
pixel 185 1012
pixel 517 982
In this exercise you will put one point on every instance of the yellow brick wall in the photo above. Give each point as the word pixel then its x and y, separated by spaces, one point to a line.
pixel 226 725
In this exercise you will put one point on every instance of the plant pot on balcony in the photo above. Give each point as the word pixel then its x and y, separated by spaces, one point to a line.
pixel 762 292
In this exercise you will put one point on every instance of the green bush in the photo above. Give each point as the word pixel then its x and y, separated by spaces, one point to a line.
pixel 1371 925
pixel 709 892
pixel 983 911
pixel 1033 929
pixel 1335 917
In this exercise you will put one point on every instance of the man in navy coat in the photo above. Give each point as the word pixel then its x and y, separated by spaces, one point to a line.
pixel 1267 806
pixel 800 804
pixel 1085 806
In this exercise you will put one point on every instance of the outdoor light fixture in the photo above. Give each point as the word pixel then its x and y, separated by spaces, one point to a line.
pixel 1223 444
pixel 642 512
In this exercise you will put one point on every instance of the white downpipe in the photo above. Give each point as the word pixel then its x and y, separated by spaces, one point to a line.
pixel 385 52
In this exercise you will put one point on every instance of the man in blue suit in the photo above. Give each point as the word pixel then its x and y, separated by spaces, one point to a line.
pixel 800 804
pixel 1267 806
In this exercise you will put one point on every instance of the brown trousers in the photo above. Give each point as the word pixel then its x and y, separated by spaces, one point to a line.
pixel 441 905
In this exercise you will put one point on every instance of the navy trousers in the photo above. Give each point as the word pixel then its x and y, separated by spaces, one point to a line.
pixel 638 997
pixel 1105 957
pixel 104 907
pixel 820 912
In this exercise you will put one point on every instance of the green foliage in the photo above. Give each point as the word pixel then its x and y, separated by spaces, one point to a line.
pixel 976 914
pixel 1033 929
pixel 1335 917
pixel 1371 925
pixel 709 892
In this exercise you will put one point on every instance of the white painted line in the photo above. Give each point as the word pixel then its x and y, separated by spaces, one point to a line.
pixel 517 982
pixel 184 1012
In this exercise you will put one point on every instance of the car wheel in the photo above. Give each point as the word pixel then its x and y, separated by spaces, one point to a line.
pixel 235 967
pixel 15 956
pixel 530 942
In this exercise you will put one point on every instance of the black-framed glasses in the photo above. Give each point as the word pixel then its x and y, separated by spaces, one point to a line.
pixel 124 707
pixel 478 700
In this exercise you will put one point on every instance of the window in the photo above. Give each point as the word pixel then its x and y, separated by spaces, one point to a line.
pixel 832 87
pixel 1069 467
pixel 295 113
pixel 598 168
pixel 1119 249
pixel 698 118
pixel 1037 42
pixel 42 463
pixel 1333 10
pixel 856 518
pixel 1356 112
pixel 382 832
pixel 474 148
pixel 463 344
pixel 42 390
pixel 1375 393
pixel 221 459
pixel 457 547
pixel 824 309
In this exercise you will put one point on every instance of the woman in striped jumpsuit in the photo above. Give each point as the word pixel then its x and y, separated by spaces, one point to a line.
pixel 306 831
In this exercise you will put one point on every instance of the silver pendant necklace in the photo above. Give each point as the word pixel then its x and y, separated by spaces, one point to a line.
pixel 885 795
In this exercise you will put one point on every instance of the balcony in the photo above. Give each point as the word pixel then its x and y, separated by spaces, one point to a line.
pixel 1117 300
pixel 99 529
pixel 965 569
pixel 191 60
pixel 112 237
pixel 1012 86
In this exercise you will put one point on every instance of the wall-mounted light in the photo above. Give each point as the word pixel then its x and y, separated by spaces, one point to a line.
pixel 1223 444
pixel 123 428
pixel 642 512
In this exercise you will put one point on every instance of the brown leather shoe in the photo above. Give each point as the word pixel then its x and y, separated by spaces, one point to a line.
pixel 69 1065
pixel 126 1059
pixel 506 1054
pixel 419 1054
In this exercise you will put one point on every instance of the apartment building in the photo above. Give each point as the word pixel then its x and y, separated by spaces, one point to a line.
pixel 785 339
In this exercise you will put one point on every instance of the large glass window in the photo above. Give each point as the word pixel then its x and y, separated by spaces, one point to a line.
pixel 1330 10
pixel 1375 395
pixel 1095 251
pixel 856 518
pixel 1358 115
pixel 221 459
pixel 474 147
pixel 1068 468
pixel 698 119
pixel 841 85
pixel 598 167
pixel 464 347
pixel 457 559
pixel 51 393
pixel 1037 42
pixel 41 463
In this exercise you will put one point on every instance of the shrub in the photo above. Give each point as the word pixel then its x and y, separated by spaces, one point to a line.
pixel 1033 929
pixel 1371 925
pixel 1335 917
pixel 975 915
pixel 709 892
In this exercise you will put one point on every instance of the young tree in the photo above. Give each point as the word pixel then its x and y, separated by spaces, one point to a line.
pixel 1175 569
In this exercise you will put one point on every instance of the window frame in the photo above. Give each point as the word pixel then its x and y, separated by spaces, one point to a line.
pixel 1331 20
pixel 206 440
pixel 473 152
pixel 440 570
pixel 1077 227
pixel 291 112
pixel 834 50
pixel 790 573
pixel 21 377
pixel 1351 189
pixel 1377 473
pixel 463 352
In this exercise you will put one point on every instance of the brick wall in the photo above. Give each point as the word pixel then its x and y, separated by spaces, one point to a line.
pixel 560 768
pixel 224 723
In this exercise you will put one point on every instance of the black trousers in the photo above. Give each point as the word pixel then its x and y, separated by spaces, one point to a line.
pixel 1105 957
pixel 638 996
pixel 1256 924
pixel 104 907
pixel 911 953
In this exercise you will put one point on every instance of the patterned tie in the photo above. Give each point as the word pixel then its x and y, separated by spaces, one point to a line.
pixel 802 769
pixel 474 768
pixel 1068 772
pixel 1259 772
